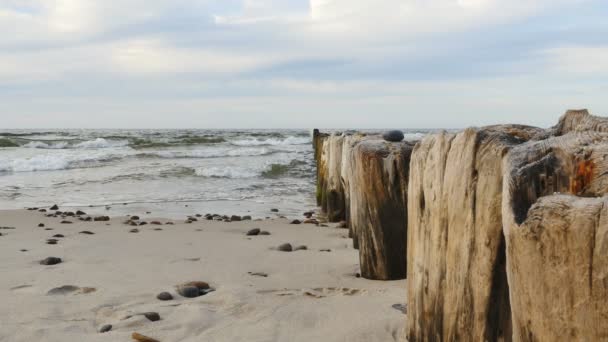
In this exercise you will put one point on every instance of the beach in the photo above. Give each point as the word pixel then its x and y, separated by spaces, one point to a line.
pixel 114 276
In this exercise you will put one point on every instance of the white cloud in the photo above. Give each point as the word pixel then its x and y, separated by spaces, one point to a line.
pixel 589 60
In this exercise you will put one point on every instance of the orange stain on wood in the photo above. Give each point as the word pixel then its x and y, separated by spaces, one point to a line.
pixel 583 177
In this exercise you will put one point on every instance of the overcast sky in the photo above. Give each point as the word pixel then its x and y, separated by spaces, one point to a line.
pixel 299 63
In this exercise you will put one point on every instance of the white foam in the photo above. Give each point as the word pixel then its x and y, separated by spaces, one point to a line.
pixel 272 141
pixel 211 153
pixel 226 172
pixel 43 145
pixel 101 143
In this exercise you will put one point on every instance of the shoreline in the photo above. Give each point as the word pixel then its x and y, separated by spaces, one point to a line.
pixel 307 294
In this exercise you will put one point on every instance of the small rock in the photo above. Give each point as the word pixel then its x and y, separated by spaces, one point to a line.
pixel 132 223
pixel 80 213
pixel 142 338
pixel 51 242
pixel 143 223
pixel 189 291
pixel 58 212
pixel 193 219
pixel 357 275
pixel 66 222
pixel 169 223
pixel 55 207
pixel 148 212
pixel 296 222
pixel 324 250
pixel 300 248
pixel 135 230
pixel 393 136
pixel 254 232
pixel 41 225
pixel 88 219
pixel 86 232
pixel 235 218
pixel 274 210
pixel 135 218
pixel 105 328
pixel 58 236
pixel 246 218
pixel 42 210
pixel 164 296
pixel 323 225
pixel 156 223
pixel 263 232
pixel 286 247
pixel 101 219
pixel 198 215
pixel 198 284
pixel 152 316
pixel 69 213
pixel 400 307
pixel 63 290
pixel 158 229
pixel 23 250
pixel 50 261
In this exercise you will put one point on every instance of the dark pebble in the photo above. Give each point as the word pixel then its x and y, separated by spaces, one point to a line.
pixel 42 210
pixel 246 218
pixel 105 328
pixel 48 228
pixel 134 218
pixel 259 274
pixel 253 232
pixel 393 136
pixel 169 223
pixel 63 290
pixel 301 248
pixel 55 207
pixel 51 241
pixel 101 219
pixel 189 291
pixel 400 307
pixel 164 296
pixel 152 316
pixel 296 222
pixel 263 232
pixel 286 247
pixel 80 213
pixel 50 261
pixel 324 250
pixel 86 232
pixel 134 230
pixel 66 222
pixel 58 236
pixel 235 218
pixel 156 223
pixel 198 215
pixel 274 210
pixel 143 223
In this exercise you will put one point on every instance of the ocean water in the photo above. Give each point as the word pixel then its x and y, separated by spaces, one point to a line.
pixel 171 173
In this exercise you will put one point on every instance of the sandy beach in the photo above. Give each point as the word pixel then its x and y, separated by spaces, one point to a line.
pixel 308 295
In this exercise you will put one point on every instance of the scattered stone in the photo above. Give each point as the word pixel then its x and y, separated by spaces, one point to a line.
pixel 357 275
pixel 142 338
pixel 69 213
pixel 152 316
pixel 86 232
pixel 193 219
pixel 55 207
pixel 274 210
pixel 51 241
pixel 66 222
pixel 393 136
pixel 63 290
pixel 400 307
pixel 198 215
pixel 135 230
pixel 105 328
pixel 324 250
pixel 263 232
pixel 296 222
pixel 135 218
pixel 143 223
pixel 23 250
pixel 50 261
pixel 7 227
pixel 42 210
pixel 101 219
pixel 189 291
pixel 48 228
pixel 246 218
pixel 169 223
pixel 286 247
pixel 88 219
pixel 198 284
pixel 58 212
pixel 148 212
pixel 258 274
pixel 132 223
pixel 300 248
pixel 58 236
pixel 235 218
pixel 156 223
pixel 164 296
pixel 158 229
pixel 254 232
pixel 80 213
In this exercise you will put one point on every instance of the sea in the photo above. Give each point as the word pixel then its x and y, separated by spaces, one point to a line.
pixel 170 173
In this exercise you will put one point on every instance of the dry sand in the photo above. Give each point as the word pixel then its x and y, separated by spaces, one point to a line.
pixel 308 295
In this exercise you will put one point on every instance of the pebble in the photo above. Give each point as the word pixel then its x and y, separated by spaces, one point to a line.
pixel 235 218
pixel 189 291
pixel 300 248
pixel 23 250
pixel 42 210
pixel 55 207
pixel 198 215
pixel 142 338
pixel 80 213
pixel 62 290
pixel 152 316
pixel 296 222
pixel 324 250
pixel 158 229
pixel 50 261
pixel 105 328
pixel 51 242
pixel 41 225
pixel 48 228
pixel 246 218
pixel 66 222
pixel 254 232
pixel 164 296
pixel 400 307
pixel 143 223
pixel 258 274
pixel 393 136
pixel 263 232
pixel 134 218
pixel 274 210
pixel 101 219
pixel 134 230
pixel 156 223
pixel 88 219
pixel 286 247
pixel 86 232
pixel 169 223
pixel 58 236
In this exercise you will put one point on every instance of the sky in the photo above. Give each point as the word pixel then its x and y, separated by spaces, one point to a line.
pixel 300 63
